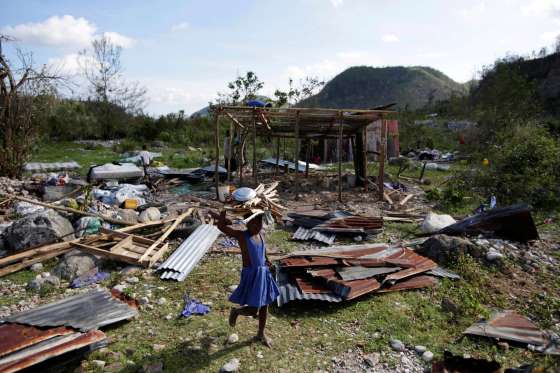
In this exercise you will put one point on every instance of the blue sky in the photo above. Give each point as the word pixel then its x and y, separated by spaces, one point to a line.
pixel 184 52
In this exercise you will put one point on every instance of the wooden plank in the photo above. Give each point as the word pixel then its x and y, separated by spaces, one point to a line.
pixel 387 198
pixel 121 247
pixel 254 149
pixel 166 234
pixel 296 155
pixel 66 209
pixel 364 155
pixel 339 150
pixel 234 120
pixel 106 253
pixel 158 254
pixel 277 156
pixel 33 252
pixel 30 261
pixel 382 156
pixel 217 148
pixel 406 199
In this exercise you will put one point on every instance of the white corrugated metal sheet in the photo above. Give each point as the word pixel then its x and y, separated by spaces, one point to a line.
pixel 188 254
pixel 55 166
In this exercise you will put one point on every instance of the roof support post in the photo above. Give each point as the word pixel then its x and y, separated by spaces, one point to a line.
pixel 296 155
pixel 382 156
pixel 339 151
pixel 277 156
pixel 307 155
pixel 217 148
pixel 254 147
pixel 230 155
pixel 364 155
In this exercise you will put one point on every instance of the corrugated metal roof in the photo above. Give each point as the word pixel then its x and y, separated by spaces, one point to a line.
pixel 359 272
pixel 188 254
pixel 290 292
pixel 49 348
pixel 344 251
pixel 55 166
pixel 14 337
pixel 511 326
pixel 304 234
pixel 88 311
pixel 412 283
pixel 442 272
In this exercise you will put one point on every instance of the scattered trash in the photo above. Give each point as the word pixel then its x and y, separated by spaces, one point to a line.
pixel 89 278
pixel 194 307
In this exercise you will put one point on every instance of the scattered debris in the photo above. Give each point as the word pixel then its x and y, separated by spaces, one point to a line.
pixel 194 307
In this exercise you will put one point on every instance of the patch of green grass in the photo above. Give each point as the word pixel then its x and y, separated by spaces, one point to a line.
pixel 281 240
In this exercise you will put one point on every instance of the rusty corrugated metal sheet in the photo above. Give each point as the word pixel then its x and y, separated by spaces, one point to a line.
pixel 351 223
pixel 310 287
pixel 290 291
pixel 305 234
pixel 353 289
pixel 14 337
pixel 509 325
pixel 49 348
pixel 359 272
pixel 87 311
pixel 308 262
pixel 417 282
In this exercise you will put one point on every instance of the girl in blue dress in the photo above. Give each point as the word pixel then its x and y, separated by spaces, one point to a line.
pixel 257 288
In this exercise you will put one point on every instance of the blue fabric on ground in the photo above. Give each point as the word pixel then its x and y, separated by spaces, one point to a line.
pixel 82 281
pixel 256 288
pixel 194 307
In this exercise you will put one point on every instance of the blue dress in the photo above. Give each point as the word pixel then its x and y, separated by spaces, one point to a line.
pixel 257 288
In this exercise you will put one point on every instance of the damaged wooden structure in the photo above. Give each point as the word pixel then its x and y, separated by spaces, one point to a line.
pixel 304 125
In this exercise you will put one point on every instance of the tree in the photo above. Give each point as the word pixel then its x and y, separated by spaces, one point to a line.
pixel 103 70
pixel 307 88
pixel 242 89
pixel 25 96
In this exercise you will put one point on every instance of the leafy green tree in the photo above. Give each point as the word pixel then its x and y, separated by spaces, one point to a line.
pixel 307 87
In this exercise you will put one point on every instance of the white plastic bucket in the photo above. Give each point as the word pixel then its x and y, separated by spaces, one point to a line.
pixel 223 192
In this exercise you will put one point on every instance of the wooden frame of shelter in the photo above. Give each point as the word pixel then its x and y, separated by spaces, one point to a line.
pixel 305 124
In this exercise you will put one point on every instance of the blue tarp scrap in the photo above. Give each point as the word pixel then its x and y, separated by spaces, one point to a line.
pixel 194 307
pixel 88 279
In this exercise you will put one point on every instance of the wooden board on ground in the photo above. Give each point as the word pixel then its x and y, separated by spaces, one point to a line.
pixel 124 247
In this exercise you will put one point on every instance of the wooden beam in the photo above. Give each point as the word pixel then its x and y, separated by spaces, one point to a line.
pixel 307 155
pixel 106 253
pixel 277 156
pixel 339 150
pixel 166 234
pixel 217 149
pixel 382 156
pixel 296 154
pixel 230 155
pixel 254 149
pixel 364 155
pixel 234 120
pixel 67 209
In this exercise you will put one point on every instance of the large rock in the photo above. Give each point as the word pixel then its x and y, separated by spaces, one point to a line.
pixel 444 249
pixel 150 214
pixel 40 228
pixel 74 264
pixel 435 222
pixel 129 216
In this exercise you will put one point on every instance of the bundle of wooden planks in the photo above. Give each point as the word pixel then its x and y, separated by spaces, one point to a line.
pixel 266 199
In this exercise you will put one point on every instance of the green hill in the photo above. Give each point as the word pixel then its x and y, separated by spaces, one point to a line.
pixel 367 87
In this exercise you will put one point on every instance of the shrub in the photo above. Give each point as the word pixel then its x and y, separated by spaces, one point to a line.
pixel 524 168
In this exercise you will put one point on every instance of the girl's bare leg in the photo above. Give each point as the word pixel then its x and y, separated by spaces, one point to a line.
pixel 243 311
pixel 263 311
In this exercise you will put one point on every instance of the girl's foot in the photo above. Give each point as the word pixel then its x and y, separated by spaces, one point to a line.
pixel 233 317
pixel 265 340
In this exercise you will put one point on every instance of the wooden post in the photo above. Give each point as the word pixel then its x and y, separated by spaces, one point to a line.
pixel 240 156
pixel 382 156
pixel 277 156
pixel 364 155
pixel 254 148
pixel 325 150
pixel 339 150
pixel 296 154
pixel 217 144
pixel 307 155
pixel 230 155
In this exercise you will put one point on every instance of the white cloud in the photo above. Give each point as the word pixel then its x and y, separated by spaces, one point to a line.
pixel 119 40
pixel 180 26
pixel 69 64
pixel 475 11
pixel 549 8
pixel 390 38
pixel 337 3
pixel 328 68
pixel 433 55
pixel 550 36
pixel 63 31
pixel 54 31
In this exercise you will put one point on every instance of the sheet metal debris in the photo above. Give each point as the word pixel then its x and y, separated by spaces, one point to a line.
pixel 354 270
pixel 289 291
pixel 303 234
pixel 188 254
pixel 512 223
pixel 511 326
pixel 56 166
pixel 50 347
pixel 84 312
